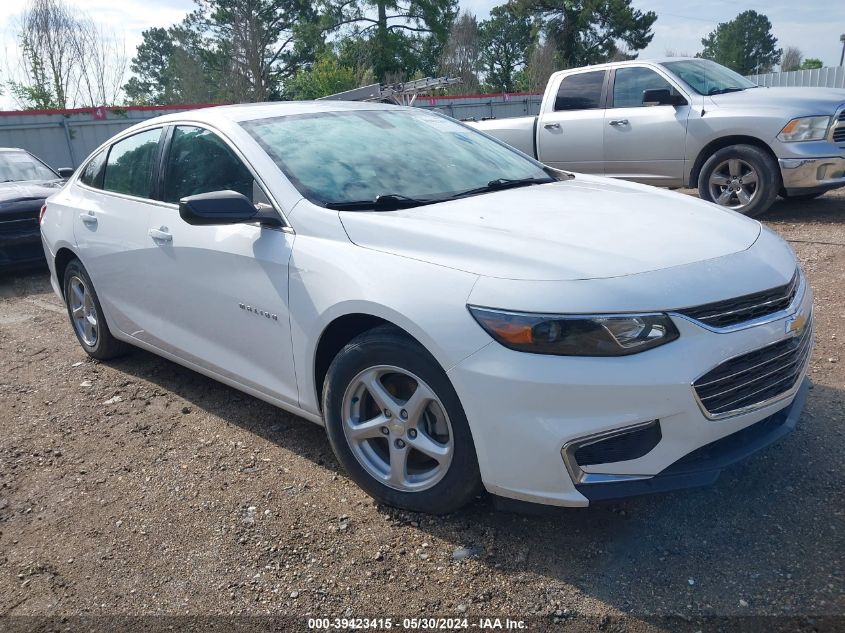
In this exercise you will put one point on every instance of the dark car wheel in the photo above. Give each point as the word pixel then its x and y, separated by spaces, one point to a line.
pixel 743 178
pixel 396 425
pixel 86 315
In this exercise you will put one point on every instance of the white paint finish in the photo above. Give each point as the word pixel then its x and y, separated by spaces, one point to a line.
pixel 584 228
pixel 585 245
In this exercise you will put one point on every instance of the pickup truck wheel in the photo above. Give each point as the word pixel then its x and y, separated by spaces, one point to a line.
pixel 396 425
pixel 86 315
pixel 743 178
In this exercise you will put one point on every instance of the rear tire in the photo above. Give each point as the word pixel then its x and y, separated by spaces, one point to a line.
pixel 86 315
pixel 396 424
pixel 743 178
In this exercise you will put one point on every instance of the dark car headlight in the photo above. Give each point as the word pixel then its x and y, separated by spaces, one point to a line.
pixel 576 335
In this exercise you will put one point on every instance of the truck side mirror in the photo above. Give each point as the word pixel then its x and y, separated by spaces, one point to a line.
pixel 662 96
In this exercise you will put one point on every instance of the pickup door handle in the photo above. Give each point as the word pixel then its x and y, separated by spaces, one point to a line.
pixel 552 126
pixel 88 218
pixel 619 122
pixel 161 234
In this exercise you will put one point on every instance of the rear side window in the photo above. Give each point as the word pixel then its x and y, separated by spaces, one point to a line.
pixel 92 175
pixel 630 84
pixel 199 162
pixel 130 164
pixel 580 92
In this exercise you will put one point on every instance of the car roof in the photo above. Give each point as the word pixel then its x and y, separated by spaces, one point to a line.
pixel 652 61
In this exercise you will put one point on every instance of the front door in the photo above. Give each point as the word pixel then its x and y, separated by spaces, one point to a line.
pixel 570 130
pixel 644 143
pixel 222 290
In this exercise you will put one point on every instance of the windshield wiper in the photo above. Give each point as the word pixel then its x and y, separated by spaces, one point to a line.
pixel 383 202
pixel 504 183
pixel 722 91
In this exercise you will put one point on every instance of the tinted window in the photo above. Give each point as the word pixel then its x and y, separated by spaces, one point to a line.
pixel 130 163
pixel 92 175
pixel 580 92
pixel 630 83
pixel 199 162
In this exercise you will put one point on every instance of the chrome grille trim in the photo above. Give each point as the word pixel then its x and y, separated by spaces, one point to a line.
pixel 781 373
pixel 837 128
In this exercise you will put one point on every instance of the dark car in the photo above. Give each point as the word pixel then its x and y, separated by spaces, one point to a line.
pixel 25 182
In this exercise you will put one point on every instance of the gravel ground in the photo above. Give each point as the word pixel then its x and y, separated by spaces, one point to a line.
pixel 138 487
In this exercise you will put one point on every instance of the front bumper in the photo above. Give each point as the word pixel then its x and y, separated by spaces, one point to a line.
pixel 811 175
pixel 525 409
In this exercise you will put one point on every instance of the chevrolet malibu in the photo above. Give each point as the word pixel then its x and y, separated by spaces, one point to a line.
pixel 457 315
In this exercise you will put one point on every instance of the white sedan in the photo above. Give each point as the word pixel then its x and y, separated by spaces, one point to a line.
pixel 457 315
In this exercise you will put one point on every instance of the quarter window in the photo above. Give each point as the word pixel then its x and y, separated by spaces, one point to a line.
pixel 580 92
pixel 130 163
pixel 92 175
pixel 199 162
pixel 630 83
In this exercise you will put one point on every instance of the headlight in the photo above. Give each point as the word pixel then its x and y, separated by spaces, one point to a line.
pixel 808 128
pixel 576 335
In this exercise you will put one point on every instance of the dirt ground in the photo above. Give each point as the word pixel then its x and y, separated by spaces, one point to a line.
pixel 138 487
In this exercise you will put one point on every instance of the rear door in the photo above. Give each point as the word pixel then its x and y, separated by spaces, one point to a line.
pixel 113 202
pixel 221 291
pixel 570 132
pixel 644 143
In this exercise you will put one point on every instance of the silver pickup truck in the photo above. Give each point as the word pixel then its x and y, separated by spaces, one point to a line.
pixel 684 122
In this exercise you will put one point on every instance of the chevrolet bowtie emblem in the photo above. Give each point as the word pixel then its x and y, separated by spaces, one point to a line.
pixel 796 324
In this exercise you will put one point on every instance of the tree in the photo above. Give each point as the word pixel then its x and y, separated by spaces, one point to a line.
pixel 152 67
pixel 791 59
pixel 462 54
pixel 811 63
pixel 505 42
pixel 400 36
pixel 590 31
pixel 541 65
pixel 327 76
pixel 745 44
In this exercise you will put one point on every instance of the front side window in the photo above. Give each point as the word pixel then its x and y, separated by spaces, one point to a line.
pixel 130 164
pixel 580 92
pixel 92 175
pixel 707 77
pixel 200 162
pixel 20 166
pixel 630 84
pixel 360 155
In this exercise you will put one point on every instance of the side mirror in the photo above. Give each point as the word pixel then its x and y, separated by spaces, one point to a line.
pixel 662 96
pixel 224 207
pixel 65 172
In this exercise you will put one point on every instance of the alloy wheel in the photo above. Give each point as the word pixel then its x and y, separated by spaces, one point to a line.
pixel 82 310
pixel 397 428
pixel 734 184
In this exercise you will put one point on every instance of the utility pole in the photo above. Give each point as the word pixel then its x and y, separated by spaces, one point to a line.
pixel 842 57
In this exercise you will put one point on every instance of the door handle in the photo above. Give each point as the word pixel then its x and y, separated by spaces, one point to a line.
pixel 88 218
pixel 161 234
pixel 619 122
pixel 552 126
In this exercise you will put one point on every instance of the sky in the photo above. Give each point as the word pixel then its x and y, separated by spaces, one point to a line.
pixel 680 25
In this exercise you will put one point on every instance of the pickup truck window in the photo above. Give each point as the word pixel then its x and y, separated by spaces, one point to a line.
pixel 630 83
pixel 580 92
pixel 707 77
pixel 340 157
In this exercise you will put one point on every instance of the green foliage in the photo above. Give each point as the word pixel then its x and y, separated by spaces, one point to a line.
pixel 505 41
pixel 590 31
pixel 37 92
pixel 745 44
pixel 327 76
pixel 812 63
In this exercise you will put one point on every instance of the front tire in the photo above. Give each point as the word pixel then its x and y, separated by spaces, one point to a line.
pixel 743 178
pixel 396 425
pixel 86 315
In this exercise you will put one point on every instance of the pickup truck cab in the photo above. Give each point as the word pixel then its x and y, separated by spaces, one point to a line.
pixel 686 122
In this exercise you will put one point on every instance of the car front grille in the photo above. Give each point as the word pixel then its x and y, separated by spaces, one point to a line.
pixel 839 128
pixel 755 378
pixel 745 308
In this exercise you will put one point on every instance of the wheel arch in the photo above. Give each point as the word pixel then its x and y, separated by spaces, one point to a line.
pixel 64 256
pixel 720 143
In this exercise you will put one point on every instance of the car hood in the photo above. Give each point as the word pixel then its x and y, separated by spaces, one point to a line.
pixel 584 228
pixel 805 101
pixel 22 199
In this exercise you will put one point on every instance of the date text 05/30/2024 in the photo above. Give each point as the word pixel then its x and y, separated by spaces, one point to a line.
pixel 419 624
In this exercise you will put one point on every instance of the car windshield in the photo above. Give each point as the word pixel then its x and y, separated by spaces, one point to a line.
pixel 707 77
pixel 338 159
pixel 19 166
